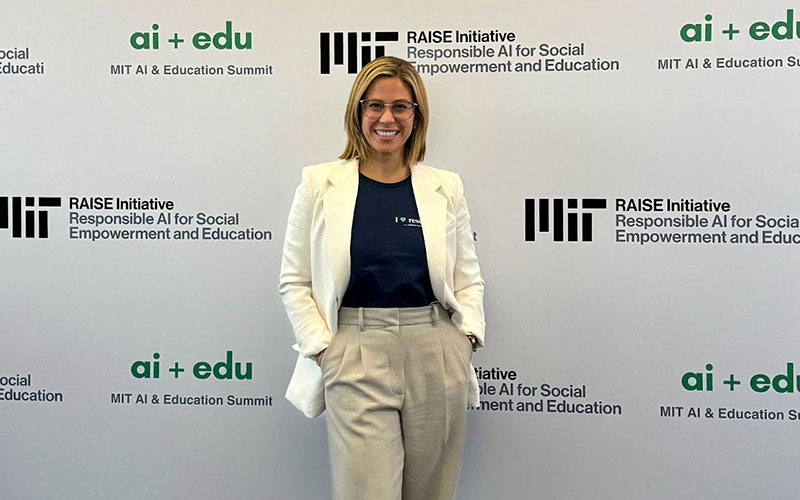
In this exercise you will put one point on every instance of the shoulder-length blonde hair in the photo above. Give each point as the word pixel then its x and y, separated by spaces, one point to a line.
pixel 357 146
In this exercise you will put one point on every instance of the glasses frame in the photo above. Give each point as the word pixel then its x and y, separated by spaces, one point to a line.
pixel 391 110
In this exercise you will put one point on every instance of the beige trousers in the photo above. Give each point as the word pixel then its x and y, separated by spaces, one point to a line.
pixel 396 384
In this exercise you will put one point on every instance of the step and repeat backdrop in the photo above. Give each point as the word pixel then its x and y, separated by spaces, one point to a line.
pixel 632 173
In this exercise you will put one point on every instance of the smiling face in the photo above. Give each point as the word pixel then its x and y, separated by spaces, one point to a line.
pixel 387 135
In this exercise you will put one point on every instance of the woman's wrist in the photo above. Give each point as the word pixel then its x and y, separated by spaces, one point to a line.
pixel 474 341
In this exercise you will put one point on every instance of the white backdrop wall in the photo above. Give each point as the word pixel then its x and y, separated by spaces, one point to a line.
pixel 639 329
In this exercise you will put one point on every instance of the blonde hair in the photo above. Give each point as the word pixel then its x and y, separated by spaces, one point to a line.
pixel 357 146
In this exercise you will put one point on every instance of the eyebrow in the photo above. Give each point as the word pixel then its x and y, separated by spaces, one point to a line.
pixel 393 102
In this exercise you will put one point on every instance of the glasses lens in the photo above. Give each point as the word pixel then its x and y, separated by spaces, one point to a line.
pixel 372 109
pixel 402 109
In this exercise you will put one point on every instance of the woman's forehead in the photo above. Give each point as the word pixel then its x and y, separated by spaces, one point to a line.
pixel 391 88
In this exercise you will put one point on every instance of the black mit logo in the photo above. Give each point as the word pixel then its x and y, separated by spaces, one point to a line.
pixel 543 219
pixel 13 215
pixel 352 49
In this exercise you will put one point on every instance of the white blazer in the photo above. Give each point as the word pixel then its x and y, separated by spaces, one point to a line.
pixel 315 270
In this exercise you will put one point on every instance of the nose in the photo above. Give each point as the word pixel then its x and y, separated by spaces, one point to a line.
pixel 387 116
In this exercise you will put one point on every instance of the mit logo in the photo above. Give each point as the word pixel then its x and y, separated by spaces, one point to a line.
pixel 352 49
pixel 542 205
pixel 14 215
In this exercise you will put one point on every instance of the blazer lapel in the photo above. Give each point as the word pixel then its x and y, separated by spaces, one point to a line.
pixel 432 207
pixel 338 205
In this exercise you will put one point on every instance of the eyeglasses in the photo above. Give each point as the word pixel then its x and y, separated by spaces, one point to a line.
pixel 400 109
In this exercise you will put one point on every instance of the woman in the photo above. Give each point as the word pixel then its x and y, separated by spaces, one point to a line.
pixel 382 286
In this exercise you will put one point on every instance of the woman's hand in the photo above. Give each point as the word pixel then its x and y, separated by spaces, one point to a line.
pixel 318 356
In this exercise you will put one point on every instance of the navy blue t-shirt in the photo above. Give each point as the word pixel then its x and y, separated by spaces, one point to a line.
pixel 388 264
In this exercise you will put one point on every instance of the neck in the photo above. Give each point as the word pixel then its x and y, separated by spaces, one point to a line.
pixel 389 168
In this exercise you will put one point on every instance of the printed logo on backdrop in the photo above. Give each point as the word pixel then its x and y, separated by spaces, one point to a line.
pixel 20 389
pixel 28 218
pixel 646 221
pixel 715 32
pixel 504 390
pixel 169 392
pixel 775 381
pixel 359 49
pixel 100 218
pixel 222 38
pixel 17 61
pixel 577 221
pixel 460 51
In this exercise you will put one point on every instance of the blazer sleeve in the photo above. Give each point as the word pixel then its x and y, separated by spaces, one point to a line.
pixel 467 281
pixel 310 329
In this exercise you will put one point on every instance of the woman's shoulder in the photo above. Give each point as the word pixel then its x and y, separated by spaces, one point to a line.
pixel 327 167
pixel 450 179
pixel 329 170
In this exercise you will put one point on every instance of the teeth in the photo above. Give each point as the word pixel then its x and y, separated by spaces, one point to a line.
pixel 386 133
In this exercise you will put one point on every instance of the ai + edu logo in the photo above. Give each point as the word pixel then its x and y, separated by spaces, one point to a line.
pixel 26 219
pixel 538 219
pixel 369 40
